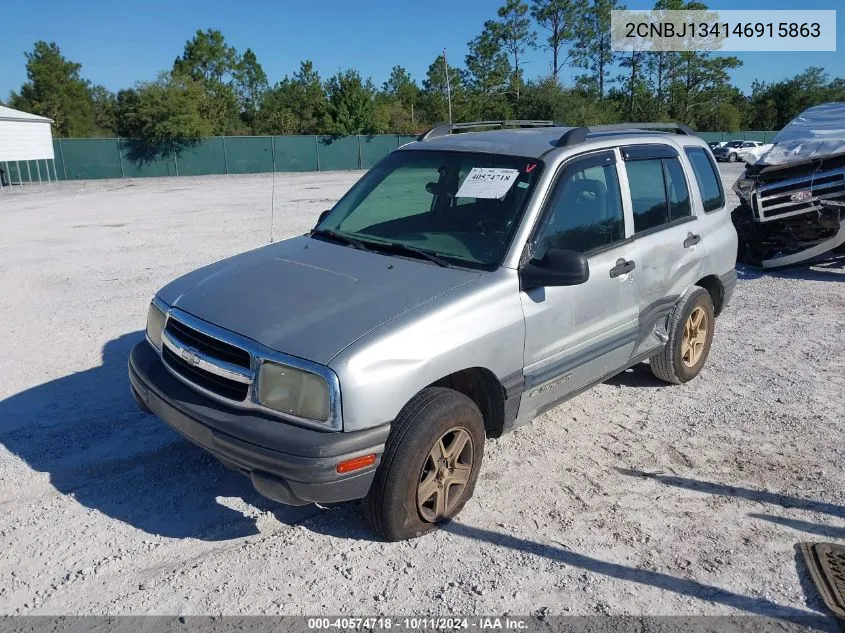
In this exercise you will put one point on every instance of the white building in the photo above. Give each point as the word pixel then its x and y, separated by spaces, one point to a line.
pixel 26 148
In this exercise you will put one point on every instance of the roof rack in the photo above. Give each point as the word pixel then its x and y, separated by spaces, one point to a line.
pixel 448 128
pixel 579 134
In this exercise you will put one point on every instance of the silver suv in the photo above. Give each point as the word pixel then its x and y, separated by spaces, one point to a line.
pixel 466 284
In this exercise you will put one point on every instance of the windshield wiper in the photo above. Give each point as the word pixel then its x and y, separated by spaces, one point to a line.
pixel 393 247
pixel 339 237
pixel 400 248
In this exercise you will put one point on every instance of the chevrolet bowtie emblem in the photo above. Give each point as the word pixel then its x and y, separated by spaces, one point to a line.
pixel 190 357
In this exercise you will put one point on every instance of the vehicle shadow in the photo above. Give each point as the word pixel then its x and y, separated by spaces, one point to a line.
pixel 680 586
pixel 819 529
pixel 86 432
pixel 831 269
pixel 637 376
pixel 760 496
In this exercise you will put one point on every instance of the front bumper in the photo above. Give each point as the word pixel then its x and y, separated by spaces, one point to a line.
pixel 286 463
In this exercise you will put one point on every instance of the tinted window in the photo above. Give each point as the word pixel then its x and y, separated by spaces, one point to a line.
pixel 707 178
pixel 676 189
pixel 659 192
pixel 585 211
pixel 648 193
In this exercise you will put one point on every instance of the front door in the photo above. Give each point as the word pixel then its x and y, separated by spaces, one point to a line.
pixel 575 335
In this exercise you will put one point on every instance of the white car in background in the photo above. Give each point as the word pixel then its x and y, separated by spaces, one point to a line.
pixel 732 150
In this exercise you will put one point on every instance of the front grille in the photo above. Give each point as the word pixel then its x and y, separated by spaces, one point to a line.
pixel 774 201
pixel 208 345
pixel 211 382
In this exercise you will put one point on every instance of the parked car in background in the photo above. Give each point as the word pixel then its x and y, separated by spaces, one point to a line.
pixel 731 151
pixel 714 144
pixel 465 285
pixel 793 191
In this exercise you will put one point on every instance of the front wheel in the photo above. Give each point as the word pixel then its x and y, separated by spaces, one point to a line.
pixel 732 157
pixel 691 327
pixel 430 465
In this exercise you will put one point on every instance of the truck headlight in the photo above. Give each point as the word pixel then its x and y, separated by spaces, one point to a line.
pixel 155 324
pixel 293 391
pixel 743 186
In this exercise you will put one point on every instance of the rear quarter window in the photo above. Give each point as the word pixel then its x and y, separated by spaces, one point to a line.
pixel 707 177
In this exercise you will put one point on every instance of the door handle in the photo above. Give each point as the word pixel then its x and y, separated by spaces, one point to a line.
pixel 691 240
pixel 622 266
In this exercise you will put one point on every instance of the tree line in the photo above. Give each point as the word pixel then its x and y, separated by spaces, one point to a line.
pixel 213 89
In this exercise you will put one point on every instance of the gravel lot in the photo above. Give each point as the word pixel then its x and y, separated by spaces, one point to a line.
pixel 631 499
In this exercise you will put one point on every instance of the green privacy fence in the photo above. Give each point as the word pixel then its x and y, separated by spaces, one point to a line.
pixel 764 136
pixel 94 158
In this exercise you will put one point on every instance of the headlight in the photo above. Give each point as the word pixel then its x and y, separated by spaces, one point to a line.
pixel 155 324
pixel 743 186
pixel 293 391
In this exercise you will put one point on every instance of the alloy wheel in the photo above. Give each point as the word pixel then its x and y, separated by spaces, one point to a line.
pixel 445 474
pixel 695 337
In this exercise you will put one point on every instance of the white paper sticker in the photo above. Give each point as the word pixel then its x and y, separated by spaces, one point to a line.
pixel 487 182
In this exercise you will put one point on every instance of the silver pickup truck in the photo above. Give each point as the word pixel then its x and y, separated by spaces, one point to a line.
pixel 466 284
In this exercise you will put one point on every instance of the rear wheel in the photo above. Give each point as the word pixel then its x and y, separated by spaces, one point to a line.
pixel 691 327
pixel 430 465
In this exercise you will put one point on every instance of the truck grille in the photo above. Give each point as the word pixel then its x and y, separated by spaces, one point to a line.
pixel 205 379
pixel 208 344
pixel 775 201
pixel 183 345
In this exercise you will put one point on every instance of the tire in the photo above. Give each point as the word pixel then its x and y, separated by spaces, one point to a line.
pixel 674 363
pixel 436 413
pixel 732 157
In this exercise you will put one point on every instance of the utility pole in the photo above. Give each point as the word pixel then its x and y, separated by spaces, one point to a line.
pixel 448 86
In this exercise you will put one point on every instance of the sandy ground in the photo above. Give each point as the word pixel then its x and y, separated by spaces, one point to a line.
pixel 633 498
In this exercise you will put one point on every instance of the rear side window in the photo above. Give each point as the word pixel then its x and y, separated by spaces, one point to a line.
pixel 659 192
pixel 676 189
pixel 707 177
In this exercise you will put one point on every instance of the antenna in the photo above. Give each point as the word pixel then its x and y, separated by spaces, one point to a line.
pixel 273 201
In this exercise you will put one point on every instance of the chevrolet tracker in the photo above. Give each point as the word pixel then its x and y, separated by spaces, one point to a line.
pixel 466 284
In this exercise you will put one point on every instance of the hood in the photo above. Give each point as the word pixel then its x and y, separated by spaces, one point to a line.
pixel 307 297
pixel 752 154
pixel 816 133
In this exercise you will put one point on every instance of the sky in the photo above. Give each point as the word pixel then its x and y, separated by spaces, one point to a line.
pixel 119 43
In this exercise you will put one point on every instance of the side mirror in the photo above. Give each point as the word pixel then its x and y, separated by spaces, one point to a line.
pixel 557 268
pixel 323 215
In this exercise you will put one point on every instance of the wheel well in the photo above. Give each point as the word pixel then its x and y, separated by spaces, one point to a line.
pixel 482 387
pixel 713 285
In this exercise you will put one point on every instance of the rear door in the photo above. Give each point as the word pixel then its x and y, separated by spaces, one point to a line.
pixel 576 335
pixel 670 246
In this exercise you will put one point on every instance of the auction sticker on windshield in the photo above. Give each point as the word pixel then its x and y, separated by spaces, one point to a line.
pixel 487 182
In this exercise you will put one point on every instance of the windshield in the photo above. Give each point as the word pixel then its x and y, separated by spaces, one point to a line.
pixel 462 207
pixel 735 144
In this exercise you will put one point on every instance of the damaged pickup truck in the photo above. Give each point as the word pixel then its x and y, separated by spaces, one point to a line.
pixel 792 192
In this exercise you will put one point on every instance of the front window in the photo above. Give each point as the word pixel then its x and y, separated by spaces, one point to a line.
pixel 461 207
pixel 584 213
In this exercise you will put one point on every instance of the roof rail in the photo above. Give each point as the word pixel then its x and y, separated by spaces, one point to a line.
pixel 579 134
pixel 447 128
